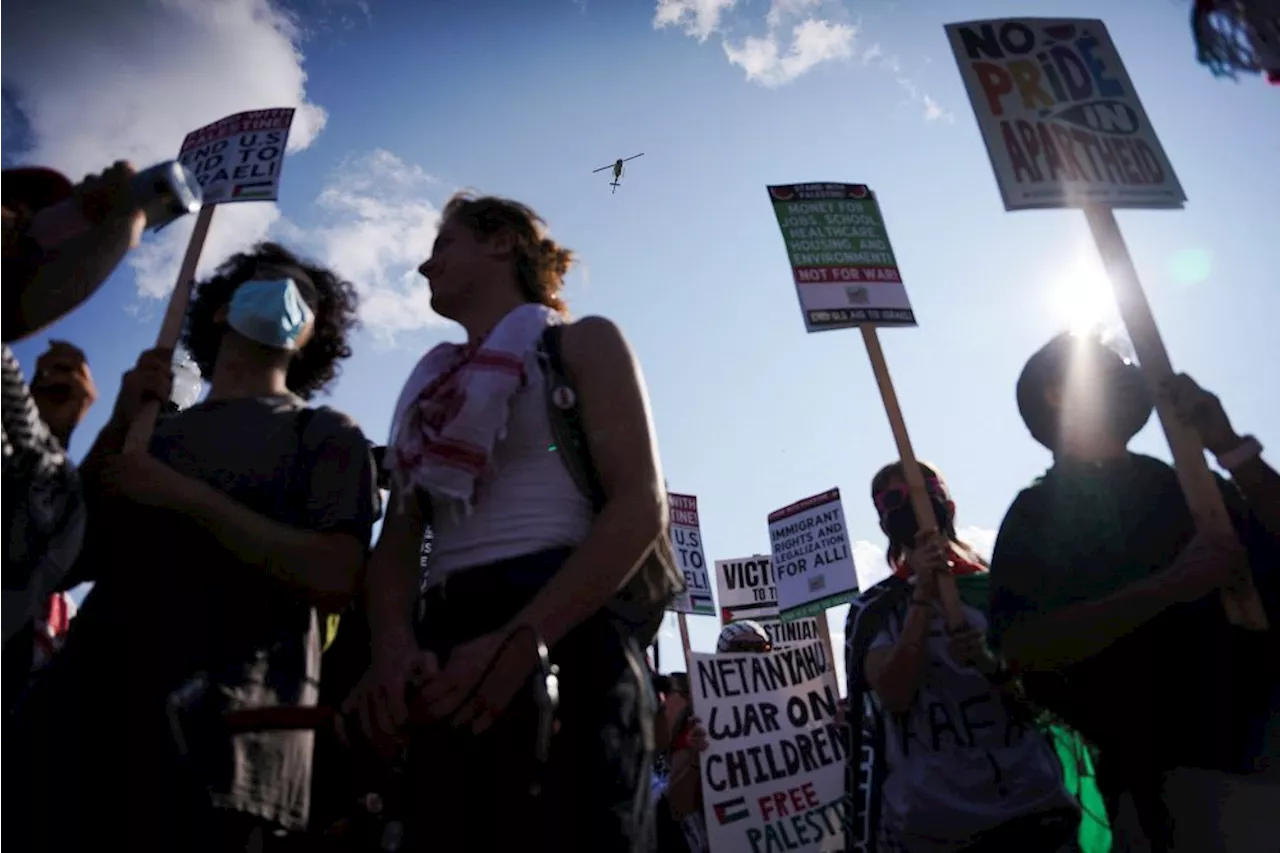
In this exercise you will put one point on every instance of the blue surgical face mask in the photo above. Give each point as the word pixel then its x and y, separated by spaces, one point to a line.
pixel 271 313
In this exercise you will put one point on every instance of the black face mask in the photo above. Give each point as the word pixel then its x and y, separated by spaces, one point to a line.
pixel 901 525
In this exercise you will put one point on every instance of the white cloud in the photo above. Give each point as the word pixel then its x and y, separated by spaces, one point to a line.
pixel 983 539
pixel 931 110
pixel 379 226
pixel 868 559
pixel 783 10
pixel 818 33
pixel 130 80
pixel 813 41
pixel 235 228
pixel 698 18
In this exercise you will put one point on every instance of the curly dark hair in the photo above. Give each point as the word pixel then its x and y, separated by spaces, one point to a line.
pixel 316 364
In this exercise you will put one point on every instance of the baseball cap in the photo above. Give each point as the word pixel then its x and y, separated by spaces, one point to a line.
pixel 742 635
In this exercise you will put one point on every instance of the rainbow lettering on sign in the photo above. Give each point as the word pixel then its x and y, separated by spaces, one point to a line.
pixel 1063 103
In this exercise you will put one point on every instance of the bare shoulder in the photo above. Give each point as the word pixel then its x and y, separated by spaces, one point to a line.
pixel 595 340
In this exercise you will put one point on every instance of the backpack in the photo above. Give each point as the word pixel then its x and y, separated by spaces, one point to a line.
pixel 643 600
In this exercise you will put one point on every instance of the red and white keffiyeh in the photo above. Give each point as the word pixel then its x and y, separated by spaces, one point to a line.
pixel 454 408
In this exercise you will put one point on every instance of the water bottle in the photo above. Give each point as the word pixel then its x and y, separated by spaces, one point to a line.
pixel 163 193
pixel 187 383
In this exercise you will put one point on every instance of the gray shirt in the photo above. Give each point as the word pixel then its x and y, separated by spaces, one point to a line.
pixel 171 598
pixel 958 763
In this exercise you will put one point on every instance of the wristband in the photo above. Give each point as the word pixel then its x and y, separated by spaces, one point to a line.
pixel 1247 450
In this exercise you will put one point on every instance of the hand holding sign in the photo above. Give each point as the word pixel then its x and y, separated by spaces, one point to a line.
pixel 928 561
pixel 1201 411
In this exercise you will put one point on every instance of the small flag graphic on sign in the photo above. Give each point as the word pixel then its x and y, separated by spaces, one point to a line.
pixel 251 190
pixel 731 811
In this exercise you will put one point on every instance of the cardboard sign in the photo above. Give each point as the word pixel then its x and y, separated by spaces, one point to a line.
pixel 240 157
pixel 746 586
pixel 748 590
pixel 841 261
pixel 812 559
pixel 773 775
pixel 686 540
pixel 1059 115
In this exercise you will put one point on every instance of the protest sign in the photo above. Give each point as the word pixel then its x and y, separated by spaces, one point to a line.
pixel 686 540
pixel 1064 128
pixel 843 266
pixel 773 774
pixel 748 590
pixel 235 159
pixel 812 560
pixel 1059 115
pixel 239 158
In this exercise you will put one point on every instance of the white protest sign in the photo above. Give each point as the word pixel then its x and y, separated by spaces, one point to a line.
pixel 812 560
pixel 1059 115
pixel 748 590
pixel 239 158
pixel 686 539
pixel 773 775
pixel 746 585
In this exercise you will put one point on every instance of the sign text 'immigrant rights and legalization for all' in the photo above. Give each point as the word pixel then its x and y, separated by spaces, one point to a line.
pixel 812 560
pixel 1060 117
pixel 841 261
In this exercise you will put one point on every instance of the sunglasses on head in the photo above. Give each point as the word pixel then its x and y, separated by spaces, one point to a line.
pixel 896 497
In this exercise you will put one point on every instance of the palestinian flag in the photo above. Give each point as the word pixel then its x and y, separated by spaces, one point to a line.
pixel 731 811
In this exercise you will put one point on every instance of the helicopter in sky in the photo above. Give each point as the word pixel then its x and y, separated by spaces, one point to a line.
pixel 617 168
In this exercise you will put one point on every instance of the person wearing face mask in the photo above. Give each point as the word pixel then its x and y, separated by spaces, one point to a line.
pixel 961 765
pixel 252 511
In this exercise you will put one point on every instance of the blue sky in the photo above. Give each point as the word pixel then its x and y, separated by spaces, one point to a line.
pixel 404 102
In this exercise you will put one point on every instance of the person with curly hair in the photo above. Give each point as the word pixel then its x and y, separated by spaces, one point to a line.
pixel 213 556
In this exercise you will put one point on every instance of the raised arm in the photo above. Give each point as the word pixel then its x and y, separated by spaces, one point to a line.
pixel 1035 631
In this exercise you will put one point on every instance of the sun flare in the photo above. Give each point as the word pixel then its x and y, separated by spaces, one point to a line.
pixel 1082 298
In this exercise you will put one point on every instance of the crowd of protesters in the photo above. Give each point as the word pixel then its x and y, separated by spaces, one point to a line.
pixel 497 695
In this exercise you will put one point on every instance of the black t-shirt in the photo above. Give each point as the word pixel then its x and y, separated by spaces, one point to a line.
pixel 170 601
pixel 1187 689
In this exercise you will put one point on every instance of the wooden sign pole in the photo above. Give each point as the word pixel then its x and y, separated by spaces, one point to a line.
pixel 684 642
pixel 138 439
pixel 920 503
pixel 824 634
pixel 1242 605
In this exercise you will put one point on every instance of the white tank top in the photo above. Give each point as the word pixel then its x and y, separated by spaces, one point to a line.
pixel 526 502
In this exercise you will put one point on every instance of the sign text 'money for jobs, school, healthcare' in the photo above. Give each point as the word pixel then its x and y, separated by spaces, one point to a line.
pixel 841 261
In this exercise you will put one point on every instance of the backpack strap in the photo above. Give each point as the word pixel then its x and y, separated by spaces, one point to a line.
pixel 565 417
pixel 866 768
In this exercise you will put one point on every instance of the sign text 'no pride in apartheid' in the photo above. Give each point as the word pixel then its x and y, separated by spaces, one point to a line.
pixel 773 775
pixel 1059 115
